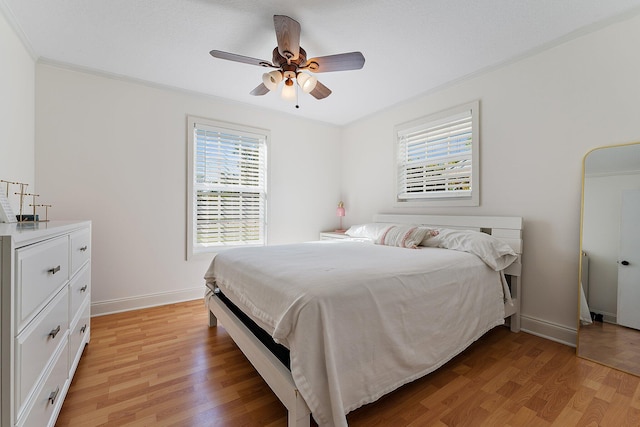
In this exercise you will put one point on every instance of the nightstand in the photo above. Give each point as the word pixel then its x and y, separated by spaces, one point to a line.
pixel 332 235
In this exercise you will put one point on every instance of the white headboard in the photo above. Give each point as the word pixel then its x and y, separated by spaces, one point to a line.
pixel 505 228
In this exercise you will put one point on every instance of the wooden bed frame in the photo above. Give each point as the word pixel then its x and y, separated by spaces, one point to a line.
pixel 278 377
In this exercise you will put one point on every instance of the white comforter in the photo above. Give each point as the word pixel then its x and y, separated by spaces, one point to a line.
pixel 360 320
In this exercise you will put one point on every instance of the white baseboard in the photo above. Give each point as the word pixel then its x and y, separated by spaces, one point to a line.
pixel 100 308
pixel 549 330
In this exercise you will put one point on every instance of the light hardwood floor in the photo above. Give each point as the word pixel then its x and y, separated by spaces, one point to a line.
pixel 613 345
pixel 164 366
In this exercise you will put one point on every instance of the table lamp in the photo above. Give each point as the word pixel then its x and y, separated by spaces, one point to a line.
pixel 340 214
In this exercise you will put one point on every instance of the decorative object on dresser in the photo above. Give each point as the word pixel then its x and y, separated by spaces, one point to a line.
pixel 6 212
pixel 45 308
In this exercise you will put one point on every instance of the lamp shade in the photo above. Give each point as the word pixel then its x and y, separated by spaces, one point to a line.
pixel 289 92
pixel 306 82
pixel 272 79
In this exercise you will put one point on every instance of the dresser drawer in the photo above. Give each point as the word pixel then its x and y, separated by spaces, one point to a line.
pixel 41 270
pixel 49 397
pixel 37 343
pixel 80 290
pixel 80 249
pixel 79 334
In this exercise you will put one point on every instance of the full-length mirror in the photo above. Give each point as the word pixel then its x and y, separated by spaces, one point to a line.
pixel 609 325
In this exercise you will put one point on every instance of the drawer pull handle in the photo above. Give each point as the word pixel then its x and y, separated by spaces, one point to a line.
pixel 54 332
pixel 83 289
pixel 54 395
pixel 84 248
pixel 83 329
pixel 54 270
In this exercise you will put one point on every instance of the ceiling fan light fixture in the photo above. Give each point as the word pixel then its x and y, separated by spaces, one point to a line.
pixel 272 79
pixel 306 82
pixel 289 59
pixel 288 91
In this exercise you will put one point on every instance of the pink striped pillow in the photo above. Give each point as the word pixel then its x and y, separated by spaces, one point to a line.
pixel 403 236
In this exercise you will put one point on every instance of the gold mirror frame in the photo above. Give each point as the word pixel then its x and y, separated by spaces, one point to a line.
pixel 606 353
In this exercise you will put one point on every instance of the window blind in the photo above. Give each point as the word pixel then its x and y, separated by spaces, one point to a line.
pixel 435 158
pixel 229 186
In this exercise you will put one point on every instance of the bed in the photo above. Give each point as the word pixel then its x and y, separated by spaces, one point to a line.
pixel 339 324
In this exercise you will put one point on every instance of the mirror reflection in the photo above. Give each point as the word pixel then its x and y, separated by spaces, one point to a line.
pixel 609 326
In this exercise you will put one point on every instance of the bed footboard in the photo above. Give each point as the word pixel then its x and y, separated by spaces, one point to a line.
pixel 275 374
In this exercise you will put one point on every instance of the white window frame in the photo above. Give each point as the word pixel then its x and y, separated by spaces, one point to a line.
pixel 193 123
pixel 464 198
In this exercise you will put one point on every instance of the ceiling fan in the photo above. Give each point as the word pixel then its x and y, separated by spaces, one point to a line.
pixel 290 61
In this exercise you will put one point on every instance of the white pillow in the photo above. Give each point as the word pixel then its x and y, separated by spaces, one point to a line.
pixel 403 236
pixel 431 239
pixel 371 231
pixel 494 252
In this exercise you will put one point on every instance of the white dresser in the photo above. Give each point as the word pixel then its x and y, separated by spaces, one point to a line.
pixel 45 308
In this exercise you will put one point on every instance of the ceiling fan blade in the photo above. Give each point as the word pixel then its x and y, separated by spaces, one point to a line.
pixel 239 58
pixel 320 91
pixel 339 62
pixel 288 36
pixel 260 90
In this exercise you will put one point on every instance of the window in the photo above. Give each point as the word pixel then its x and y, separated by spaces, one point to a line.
pixel 437 159
pixel 228 185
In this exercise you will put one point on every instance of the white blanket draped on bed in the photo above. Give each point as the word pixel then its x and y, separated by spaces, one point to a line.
pixel 360 320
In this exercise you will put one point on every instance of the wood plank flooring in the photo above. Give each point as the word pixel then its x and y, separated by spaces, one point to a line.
pixel 164 366
pixel 612 345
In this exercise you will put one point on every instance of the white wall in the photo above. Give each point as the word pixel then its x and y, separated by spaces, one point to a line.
pixel 17 111
pixel 539 116
pixel 115 152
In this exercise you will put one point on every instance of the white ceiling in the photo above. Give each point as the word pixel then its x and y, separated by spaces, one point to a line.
pixel 410 46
